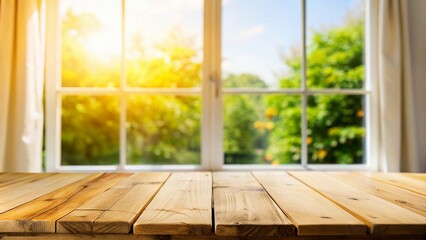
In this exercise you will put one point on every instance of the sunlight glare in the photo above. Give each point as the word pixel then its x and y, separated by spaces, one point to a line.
pixel 103 45
pixel 105 41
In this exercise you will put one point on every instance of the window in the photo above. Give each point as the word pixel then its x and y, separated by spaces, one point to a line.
pixel 192 84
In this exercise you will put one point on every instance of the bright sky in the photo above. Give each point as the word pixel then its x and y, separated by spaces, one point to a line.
pixel 254 32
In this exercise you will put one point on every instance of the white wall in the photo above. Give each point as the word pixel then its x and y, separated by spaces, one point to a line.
pixel 417 28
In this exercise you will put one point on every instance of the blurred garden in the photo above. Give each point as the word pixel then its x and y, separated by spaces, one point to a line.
pixel 166 129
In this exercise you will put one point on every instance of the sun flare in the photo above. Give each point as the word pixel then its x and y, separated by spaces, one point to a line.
pixel 103 45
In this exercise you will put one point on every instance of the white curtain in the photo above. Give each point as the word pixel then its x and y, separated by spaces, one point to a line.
pixel 417 28
pixel 395 89
pixel 22 44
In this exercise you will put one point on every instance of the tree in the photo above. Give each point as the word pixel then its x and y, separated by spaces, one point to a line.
pixel 89 123
pixel 160 129
pixel 166 129
pixel 241 140
pixel 335 122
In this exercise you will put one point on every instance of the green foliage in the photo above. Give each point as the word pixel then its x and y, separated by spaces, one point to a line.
pixel 335 125
pixel 335 122
pixel 160 129
pixel 87 138
pixel 166 129
pixel 243 80
pixel 285 137
pixel 239 116
pixel 175 68
pixel 335 58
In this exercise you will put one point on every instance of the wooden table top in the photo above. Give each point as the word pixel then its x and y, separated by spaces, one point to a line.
pixel 213 205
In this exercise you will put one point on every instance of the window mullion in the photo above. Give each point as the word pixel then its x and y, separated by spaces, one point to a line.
pixel 295 91
pixel 217 130
pixel 212 150
pixel 372 109
pixel 53 76
pixel 304 124
pixel 123 100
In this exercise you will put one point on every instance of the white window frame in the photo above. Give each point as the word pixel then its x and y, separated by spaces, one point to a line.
pixel 212 155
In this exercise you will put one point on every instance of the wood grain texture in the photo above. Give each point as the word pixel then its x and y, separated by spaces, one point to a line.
pixel 13 180
pixel 31 189
pixel 182 206
pixel 309 211
pixel 110 204
pixel 400 180
pixel 243 208
pixel 420 176
pixel 8 178
pixel 399 196
pixel 40 215
pixel 116 209
pixel 197 237
pixel 381 216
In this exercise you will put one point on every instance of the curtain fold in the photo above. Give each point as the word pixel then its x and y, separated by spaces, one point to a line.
pixel 396 118
pixel 22 44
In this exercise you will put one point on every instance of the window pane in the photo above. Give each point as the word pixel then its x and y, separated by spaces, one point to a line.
pixel 164 43
pixel 335 43
pixel 262 129
pixel 91 43
pixel 336 131
pixel 163 129
pixel 261 40
pixel 90 130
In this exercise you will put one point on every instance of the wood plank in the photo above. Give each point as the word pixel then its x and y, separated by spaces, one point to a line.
pixel 197 237
pixel 420 176
pixel 115 210
pixel 243 208
pixel 78 221
pixel 6 177
pixel 399 196
pixel 13 180
pixel 182 206
pixel 381 216
pixel 34 188
pixel 399 180
pixel 40 215
pixel 131 205
pixel 309 211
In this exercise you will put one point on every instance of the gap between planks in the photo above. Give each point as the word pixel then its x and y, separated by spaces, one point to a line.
pixel 417 185
pixel 310 212
pixel 41 214
pixel 381 216
pixel 116 209
pixel 181 207
pixel 43 222
pixel 243 208
pixel 200 237
pixel 400 196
